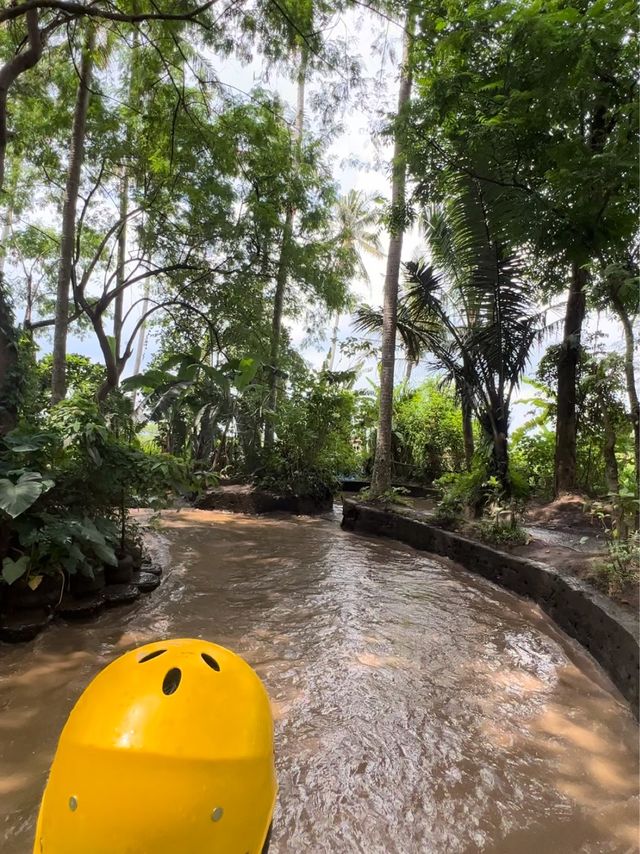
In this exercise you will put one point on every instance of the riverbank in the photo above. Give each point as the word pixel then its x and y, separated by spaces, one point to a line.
pixel 559 533
pixel 610 633
pixel 251 500
pixel 26 611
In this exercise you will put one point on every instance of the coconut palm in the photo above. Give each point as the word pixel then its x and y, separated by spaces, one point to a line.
pixel 358 226
pixel 475 315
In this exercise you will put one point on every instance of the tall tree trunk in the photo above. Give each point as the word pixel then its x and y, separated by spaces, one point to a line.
pixel 500 461
pixel 9 73
pixel 283 270
pixel 76 159
pixel 122 259
pixel 133 103
pixel 381 477
pixel 10 199
pixel 8 349
pixel 331 358
pixel 609 452
pixel 467 433
pixel 408 369
pixel 8 363
pixel 630 375
pixel 565 459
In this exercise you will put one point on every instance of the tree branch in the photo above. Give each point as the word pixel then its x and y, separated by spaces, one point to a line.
pixel 77 9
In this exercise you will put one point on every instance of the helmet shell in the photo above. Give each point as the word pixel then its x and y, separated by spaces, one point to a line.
pixel 169 749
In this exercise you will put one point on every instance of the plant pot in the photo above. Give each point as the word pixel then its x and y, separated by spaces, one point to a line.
pixel 23 625
pixel 20 597
pixel 120 574
pixel 81 585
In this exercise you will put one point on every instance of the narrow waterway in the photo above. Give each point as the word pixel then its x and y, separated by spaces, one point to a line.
pixel 418 708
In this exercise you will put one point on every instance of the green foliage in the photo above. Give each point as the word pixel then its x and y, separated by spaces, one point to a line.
pixel 622 568
pixel 314 439
pixel 427 433
pixel 532 459
pixel 68 484
pixel 395 495
pixel 52 543
pixel 472 493
pixel 537 101
pixel 501 535
pixel 18 496
pixel 461 491
pixel 599 394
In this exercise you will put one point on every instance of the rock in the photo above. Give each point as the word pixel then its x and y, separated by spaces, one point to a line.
pixel 120 574
pixel 120 594
pixel 87 606
pixel 24 625
pixel 134 550
pixel 146 581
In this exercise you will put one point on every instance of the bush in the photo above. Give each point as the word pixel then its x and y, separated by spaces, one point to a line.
pixel 622 567
pixel 314 441
pixel 532 458
pixel 428 433
pixel 66 488
pixel 495 533
pixel 461 491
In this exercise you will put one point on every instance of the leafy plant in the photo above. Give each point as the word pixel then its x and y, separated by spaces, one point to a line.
pixel 17 496
pixel 496 533
pixel 314 439
pixel 623 565
pixel 395 495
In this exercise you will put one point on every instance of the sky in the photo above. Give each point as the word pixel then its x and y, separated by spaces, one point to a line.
pixel 360 160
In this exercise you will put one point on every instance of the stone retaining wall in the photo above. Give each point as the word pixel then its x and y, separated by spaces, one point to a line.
pixel 607 631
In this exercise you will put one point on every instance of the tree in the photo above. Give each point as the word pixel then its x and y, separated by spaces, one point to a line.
pixel 618 289
pixel 604 446
pixel 358 226
pixel 69 208
pixel 37 20
pixel 381 476
pixel 476 317
pixel 537 100
pixel 284 259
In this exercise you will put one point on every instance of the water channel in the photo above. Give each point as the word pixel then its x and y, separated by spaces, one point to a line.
pixel 418 708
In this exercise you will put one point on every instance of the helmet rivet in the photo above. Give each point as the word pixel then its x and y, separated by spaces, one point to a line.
pixel 73 803
pixel 216 815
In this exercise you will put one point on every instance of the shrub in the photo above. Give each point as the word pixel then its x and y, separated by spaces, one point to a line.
pixel 314 441
pixel 428 436
pixel 67 486
pixel 499 534
pixel 622 566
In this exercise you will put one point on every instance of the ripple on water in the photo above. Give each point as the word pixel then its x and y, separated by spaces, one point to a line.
pixel 417 708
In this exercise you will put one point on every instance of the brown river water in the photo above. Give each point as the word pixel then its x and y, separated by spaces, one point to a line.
pixel 418 708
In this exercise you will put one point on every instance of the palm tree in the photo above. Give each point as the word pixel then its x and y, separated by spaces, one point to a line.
pixel 358 225
pixel 381 475
pixel 475 315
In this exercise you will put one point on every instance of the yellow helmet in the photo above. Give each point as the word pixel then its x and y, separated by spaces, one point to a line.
pixel 168 751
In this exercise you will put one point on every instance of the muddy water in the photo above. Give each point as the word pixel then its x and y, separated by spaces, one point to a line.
pixel 418 708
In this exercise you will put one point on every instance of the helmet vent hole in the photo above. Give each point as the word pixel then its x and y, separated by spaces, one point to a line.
pixel 213 664
pixel 151 655
pixel 171 681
